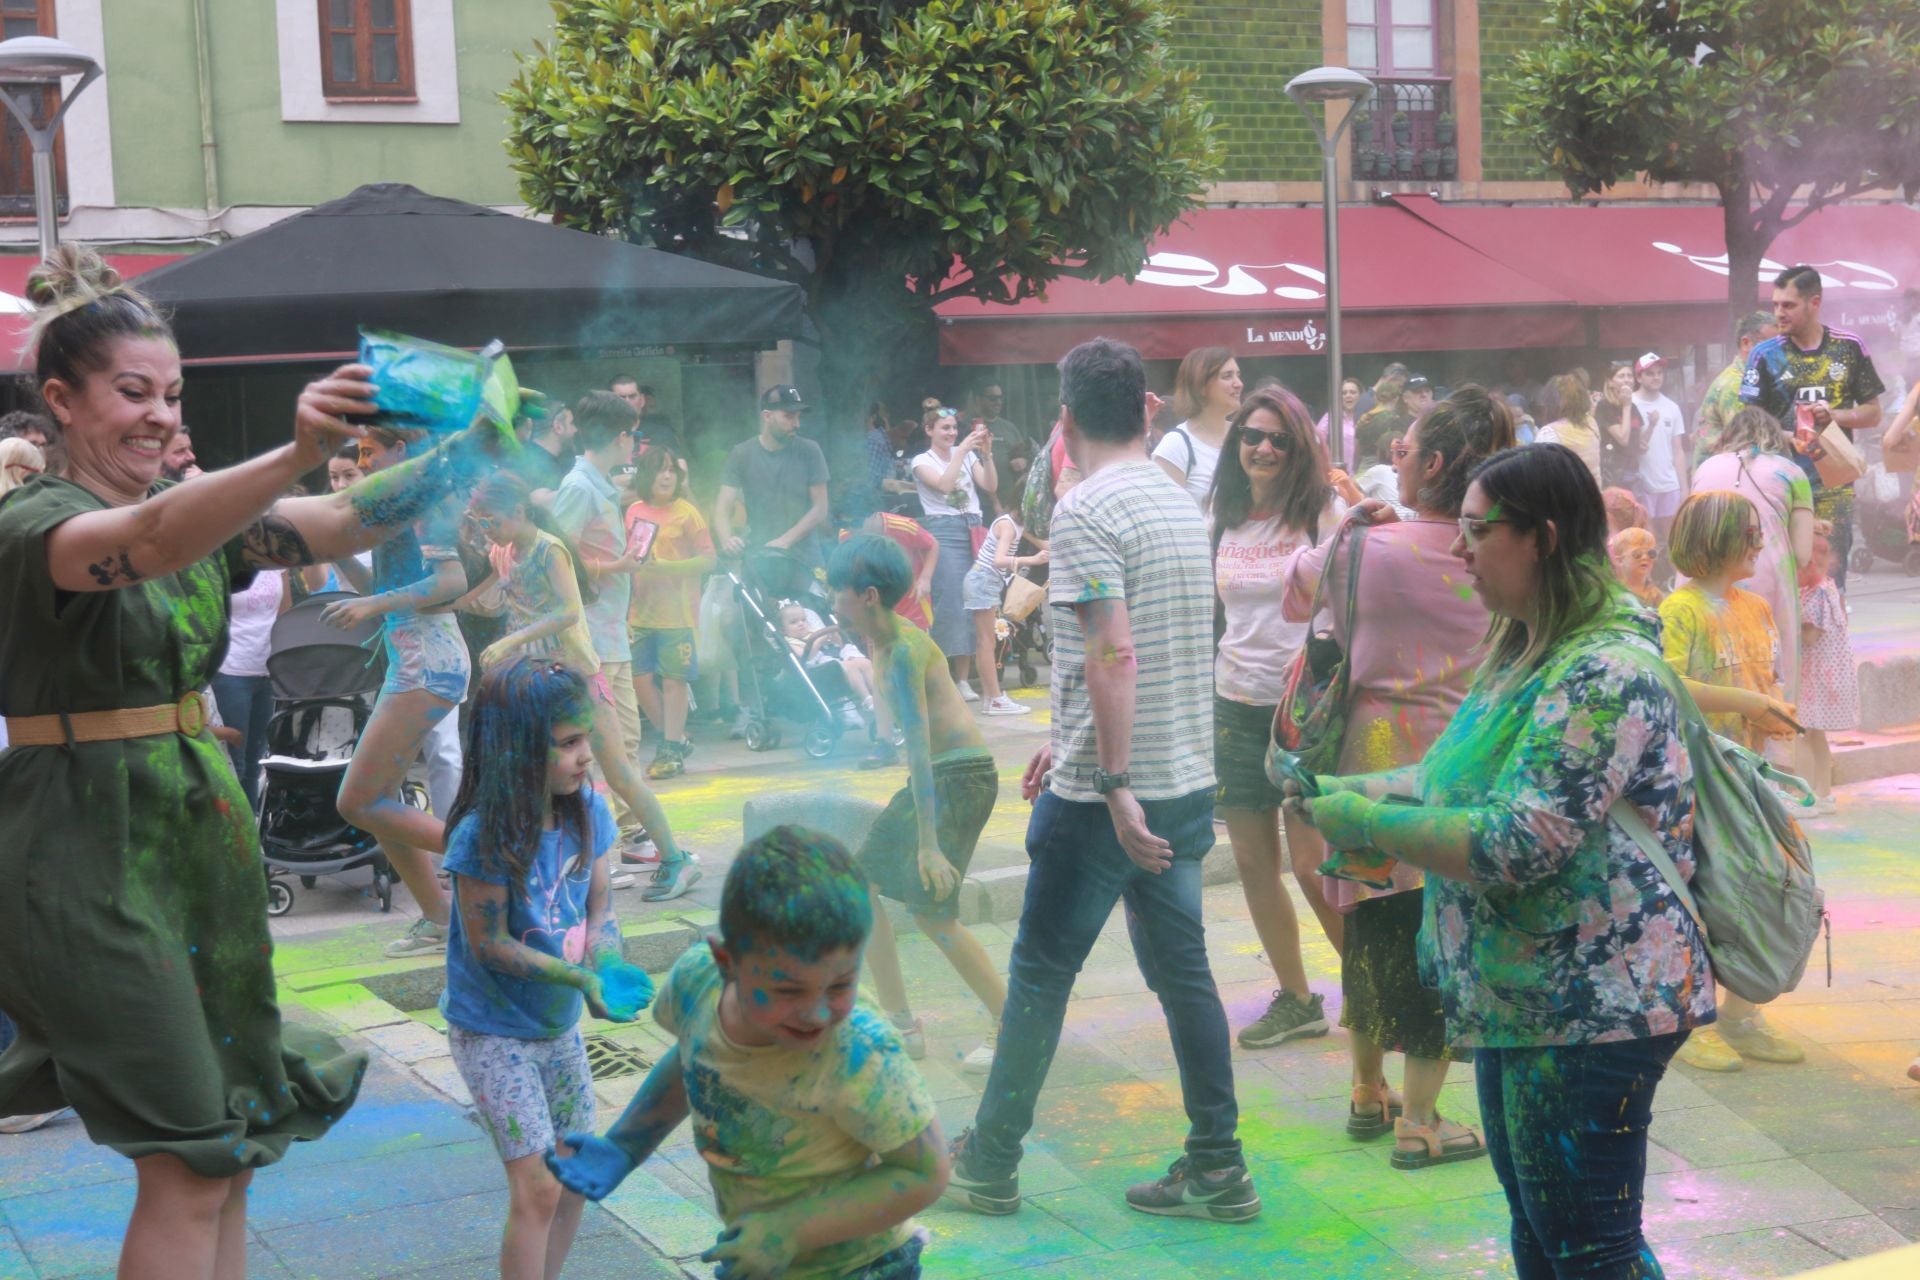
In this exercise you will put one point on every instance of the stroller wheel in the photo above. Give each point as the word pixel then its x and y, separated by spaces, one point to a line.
pixel 414 796
pixel 820 741
pixel 1862 560
pixel 1912 563
pixel 1029 676
pixel 761 736
pixel 307 882
pixel 383 887
pixel 279 897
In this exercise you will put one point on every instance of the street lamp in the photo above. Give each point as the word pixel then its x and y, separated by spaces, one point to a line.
pixel 28 65
pixel 1329 85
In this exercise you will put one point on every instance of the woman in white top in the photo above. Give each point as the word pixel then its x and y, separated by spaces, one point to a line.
pixel 1205 393
pixel 985 583
pixel 241 689
pixel 1271 498
pixel 950 476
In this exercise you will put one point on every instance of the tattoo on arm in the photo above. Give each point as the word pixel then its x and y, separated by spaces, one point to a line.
pixel 115 570
pixel 272 542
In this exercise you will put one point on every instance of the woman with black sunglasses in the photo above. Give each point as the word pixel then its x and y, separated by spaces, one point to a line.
pixel 1270 498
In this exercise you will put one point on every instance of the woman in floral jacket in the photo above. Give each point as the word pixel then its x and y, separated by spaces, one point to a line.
pixel 1563 958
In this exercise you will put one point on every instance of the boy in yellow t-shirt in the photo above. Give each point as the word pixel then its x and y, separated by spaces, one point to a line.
pixel 818 1134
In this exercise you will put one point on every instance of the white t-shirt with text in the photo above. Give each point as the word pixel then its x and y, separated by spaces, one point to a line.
pixel 1249 571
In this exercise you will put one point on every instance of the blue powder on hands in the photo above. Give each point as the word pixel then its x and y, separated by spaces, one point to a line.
pixel 626 989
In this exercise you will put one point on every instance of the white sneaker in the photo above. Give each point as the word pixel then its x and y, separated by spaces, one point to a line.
pixel 966 691
pixel 1005 706
pixel 980 1061
pixel 620 880
pixel 1826 804
pixel 28 1123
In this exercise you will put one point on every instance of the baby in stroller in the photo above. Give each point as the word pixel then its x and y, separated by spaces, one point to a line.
pixel 818 645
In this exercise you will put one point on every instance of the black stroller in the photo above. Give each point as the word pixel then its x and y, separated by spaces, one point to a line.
pixel 776 684
pixel 325 681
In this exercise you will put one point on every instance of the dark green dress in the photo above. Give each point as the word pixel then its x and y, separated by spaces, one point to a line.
pixel 134 952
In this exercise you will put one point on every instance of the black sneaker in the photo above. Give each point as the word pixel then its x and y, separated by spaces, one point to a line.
pixel 1287 1017
pixel 996 1196
pixel 1224 1195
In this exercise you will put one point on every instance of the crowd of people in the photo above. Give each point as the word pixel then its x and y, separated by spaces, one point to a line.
pixel 1467 595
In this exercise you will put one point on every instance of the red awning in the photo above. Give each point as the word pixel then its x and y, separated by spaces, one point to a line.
pixel 1419 275
pixel 1254 280
pixel 1657 274
pixel 14 270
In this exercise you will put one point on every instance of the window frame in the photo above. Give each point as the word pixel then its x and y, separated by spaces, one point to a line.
pixel 17 204
pixel 363 89
pixel 1383 27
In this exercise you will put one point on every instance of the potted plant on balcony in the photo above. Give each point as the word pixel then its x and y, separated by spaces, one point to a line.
pixel 1443 129
pixel 1402 129
pixel 1449 162
pixel 1430 163
pixel 1403 163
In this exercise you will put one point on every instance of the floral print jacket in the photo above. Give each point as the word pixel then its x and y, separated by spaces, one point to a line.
pixel 1565 933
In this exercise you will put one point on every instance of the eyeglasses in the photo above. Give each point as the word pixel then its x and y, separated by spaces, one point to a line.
pixel 1474 528
pixel 1253 438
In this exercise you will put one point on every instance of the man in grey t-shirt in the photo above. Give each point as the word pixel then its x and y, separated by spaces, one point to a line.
pixel 1123 798
pixel 782 479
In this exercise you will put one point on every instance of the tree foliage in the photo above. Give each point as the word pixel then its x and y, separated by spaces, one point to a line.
pixel 885 154
pixel 1783 106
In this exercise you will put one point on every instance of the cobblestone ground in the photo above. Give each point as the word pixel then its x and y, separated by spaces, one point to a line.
pixel 1769 1172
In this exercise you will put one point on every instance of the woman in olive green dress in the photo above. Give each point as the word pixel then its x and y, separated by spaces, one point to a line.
pixel 134 952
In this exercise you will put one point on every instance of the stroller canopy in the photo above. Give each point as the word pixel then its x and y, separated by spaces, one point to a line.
pixel 308 658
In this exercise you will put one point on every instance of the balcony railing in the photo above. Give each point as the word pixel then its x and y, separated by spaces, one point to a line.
pixel 1401 135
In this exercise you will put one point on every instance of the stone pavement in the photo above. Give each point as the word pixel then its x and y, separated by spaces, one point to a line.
pixel 1768 1172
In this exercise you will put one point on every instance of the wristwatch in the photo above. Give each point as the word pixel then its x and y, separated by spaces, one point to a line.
pixel 1105 782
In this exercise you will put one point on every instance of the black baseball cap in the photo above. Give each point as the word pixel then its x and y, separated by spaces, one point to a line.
pixel 782 397
pixel 1419 382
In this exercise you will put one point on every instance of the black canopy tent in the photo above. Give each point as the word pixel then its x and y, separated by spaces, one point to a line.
pixel 394 257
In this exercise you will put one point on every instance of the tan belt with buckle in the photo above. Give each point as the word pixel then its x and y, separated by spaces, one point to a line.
pixel 187 717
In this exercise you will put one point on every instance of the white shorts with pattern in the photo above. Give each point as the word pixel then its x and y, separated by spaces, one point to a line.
pixel 526 1092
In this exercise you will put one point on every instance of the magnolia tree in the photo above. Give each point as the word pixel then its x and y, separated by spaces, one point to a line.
pixel 1782 106
pixel 886 155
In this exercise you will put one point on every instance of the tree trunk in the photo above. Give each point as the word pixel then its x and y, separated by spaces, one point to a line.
pixel 1747 244
pixel 870 326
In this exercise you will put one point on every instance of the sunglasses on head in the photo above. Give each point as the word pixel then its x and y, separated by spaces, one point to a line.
pixel 1254 437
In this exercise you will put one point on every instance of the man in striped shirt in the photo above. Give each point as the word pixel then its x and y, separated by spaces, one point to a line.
pixel 1123 798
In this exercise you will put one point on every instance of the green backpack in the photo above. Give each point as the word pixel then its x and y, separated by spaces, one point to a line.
pixel 1753 894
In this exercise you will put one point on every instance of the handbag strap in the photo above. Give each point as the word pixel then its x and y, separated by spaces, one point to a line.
pixel 1358 535
pixel 1634 825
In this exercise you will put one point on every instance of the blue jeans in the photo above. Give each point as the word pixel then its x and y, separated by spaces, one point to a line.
pixel 1078 872
pixel 246 704
pixel 1566 1128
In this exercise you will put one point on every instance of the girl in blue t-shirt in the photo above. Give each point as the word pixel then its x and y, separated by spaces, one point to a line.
pixel 533 938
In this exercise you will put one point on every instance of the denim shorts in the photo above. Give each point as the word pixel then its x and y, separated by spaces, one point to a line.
pixel 1240 737
pixel 665 651
pixel 982 589
pixel 427 653
pixel 526 1093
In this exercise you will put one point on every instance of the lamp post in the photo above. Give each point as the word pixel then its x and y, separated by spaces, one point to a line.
pixel 1328 85
pixel 29 64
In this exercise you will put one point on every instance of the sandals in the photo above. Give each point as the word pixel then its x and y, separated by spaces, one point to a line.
pixel 1418 1146
pixel 1372 1110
